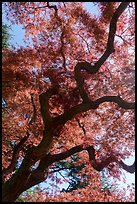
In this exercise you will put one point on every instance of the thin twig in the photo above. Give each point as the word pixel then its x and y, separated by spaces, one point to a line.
pixel 81 126
pixel 34 111
pixel 125 41
pixel 85 42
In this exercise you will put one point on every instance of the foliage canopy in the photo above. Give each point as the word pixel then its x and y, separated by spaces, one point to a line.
pixel 70 91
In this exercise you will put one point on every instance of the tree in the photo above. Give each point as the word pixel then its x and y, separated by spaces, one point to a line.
pixel 6 36
pixel 71 171
pixel 71 91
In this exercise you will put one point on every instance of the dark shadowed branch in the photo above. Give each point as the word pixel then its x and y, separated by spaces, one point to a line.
pixel 19 146
pixel 41 172
pixel 14 159
pixel 99 166
pixel 112 31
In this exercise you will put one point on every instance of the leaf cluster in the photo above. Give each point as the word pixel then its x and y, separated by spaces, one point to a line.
pixel 72 171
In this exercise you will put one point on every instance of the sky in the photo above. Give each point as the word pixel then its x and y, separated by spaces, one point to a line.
pixel 17 39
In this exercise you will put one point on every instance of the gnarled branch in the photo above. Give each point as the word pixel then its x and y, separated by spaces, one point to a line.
pixel 112 30
pixel 99 166
pixel 110 49
pixel 44 105
pixel 39 174
pixel 69 114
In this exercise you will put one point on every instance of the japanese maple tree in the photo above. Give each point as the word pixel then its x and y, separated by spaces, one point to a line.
pixel 70 90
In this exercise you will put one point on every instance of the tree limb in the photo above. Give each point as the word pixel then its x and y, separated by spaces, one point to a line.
pixel 110 49
pixel 82 107
pixel 98 166
pixel 85 42
pixel 44 105
pixel 16 151
pixel 41 172
pixel 130 169
pixel 19 146
pixel 112 30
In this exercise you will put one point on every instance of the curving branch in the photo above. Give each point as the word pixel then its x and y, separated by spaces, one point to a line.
pixel 44 105
pixel 116 99
pixel 98 166
pixel 130 169
pixel 19 146
pixel 14 159
pixel 92 69
pixel 69 114
pixel 112 31
pixel 41 172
